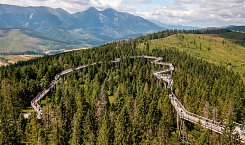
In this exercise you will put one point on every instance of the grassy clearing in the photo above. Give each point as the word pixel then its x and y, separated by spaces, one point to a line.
pixel 209 47
pixel 3 64
pixel 16 41
pixel 16 58
pixel 10 59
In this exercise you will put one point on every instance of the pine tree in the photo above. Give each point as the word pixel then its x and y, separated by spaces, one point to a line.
pixel 77 130
pixel 32 130
pixel 104 131
pixel 89 128
pixel 122 128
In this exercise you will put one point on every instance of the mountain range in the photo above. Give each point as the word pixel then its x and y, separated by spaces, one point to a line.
pixel 39 29
pixel 107 22
pixel 90 27
pixel 171 26
pixel 235 28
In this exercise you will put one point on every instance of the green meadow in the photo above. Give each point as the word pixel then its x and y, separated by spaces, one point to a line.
pixel 212 48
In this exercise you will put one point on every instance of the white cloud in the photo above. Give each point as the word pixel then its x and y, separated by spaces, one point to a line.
pixel 69 5
pixel 139 1
pixel 106 3
pixel 200 13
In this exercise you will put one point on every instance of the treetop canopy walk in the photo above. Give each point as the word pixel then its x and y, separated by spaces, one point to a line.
pixel 164 75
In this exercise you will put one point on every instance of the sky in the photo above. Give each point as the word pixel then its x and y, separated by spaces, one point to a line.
pixel 200 13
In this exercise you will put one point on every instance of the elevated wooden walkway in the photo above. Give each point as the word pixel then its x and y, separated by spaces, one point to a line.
pixel 164 75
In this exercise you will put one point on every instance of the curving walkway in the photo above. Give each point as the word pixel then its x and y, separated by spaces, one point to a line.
pixel 166 76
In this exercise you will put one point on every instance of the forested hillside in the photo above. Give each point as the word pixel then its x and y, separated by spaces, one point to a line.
pixel 236 37
pixel 216 46
pixel 122 104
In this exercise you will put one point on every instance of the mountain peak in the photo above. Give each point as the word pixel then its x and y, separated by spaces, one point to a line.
pixel 100 26
pixel 92 9
pixel 110 10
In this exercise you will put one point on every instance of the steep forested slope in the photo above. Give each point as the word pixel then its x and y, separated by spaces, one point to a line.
pixel 236 37
pixel 209 47
pixel 116 104
pixel 216 46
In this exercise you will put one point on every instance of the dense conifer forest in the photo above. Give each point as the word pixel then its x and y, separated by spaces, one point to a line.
pixel 124 104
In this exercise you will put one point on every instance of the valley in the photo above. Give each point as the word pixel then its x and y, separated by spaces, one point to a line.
pixel 36 29
pixel 18 41
pixel 8 59
pixel 12 59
